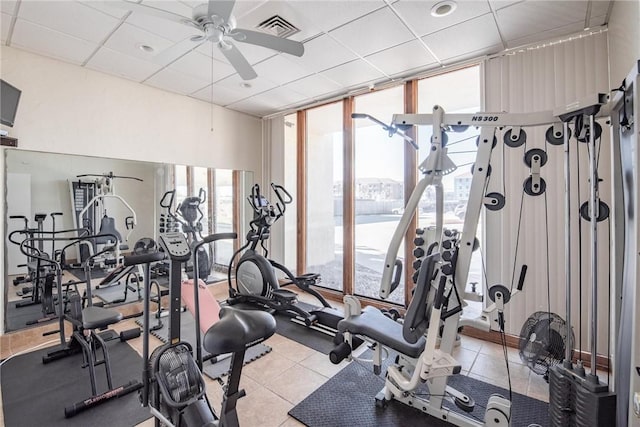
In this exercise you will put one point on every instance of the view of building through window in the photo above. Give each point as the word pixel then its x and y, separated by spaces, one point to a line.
pixel 379 190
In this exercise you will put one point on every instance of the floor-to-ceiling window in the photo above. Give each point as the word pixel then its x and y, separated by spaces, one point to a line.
pixel 290 183
pixel 378 168
pixel 379 190
pixel 324 170
pixel 223 217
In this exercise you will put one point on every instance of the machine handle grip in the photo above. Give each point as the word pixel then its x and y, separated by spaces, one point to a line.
pixel 437 302
pixel 523 273
pixel 17 217
pixel 56 213
pixel 163 203
pixel 143 258
pixel 219 236
pixel 397 269
pixel 202 195
pixel 111 261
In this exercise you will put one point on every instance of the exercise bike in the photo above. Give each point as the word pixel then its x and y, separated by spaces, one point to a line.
pixel 256 281
pixel 173 386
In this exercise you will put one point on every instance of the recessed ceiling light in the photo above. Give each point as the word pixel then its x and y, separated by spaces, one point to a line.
pixel 146 48
pixel 245 85
pixel 443 8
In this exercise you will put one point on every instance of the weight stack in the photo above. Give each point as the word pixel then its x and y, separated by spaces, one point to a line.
pixel 561 397
pixel 573 401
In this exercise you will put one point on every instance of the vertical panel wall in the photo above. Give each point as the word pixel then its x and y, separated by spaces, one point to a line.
pixel 537 80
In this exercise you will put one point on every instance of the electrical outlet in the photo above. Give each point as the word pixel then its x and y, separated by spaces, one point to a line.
pixel 636 404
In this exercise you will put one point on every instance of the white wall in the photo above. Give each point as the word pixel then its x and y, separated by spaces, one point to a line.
pixel 68 109
pixel 624 39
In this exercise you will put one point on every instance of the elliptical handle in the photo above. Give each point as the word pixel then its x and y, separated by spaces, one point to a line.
pixel 217 236
pixel 202 195
pixel 168 205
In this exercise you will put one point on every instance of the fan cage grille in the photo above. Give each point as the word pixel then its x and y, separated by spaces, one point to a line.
pixel 542 341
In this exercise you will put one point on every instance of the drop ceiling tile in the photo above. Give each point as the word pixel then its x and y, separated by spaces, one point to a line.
pixel 499 4
pixel 374 32
pixel 314 86
pixel 163 27
pixel 328 15
pixel 104 6
pixel 599 7
pixel 281 70
pixel 174 81
pixel 7 6
pixel 241 8
pixel 48 42
pixel 597 21
pixel 128 38
pixel 353 73
pixel 221 95
pixel 255 108
pixel 198 65
pixel 279 97
pixel 71 18
pixel 402 58
pixel 488 50
pixel 116 63
pixel 324 52
pixel 532 17
pixel 4 26
pixel 546 35
pixel 286 11
pixel 257 85
pixel 418 14
pixel 469 36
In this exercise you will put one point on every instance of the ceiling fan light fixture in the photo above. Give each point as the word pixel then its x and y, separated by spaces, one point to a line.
pixel 443 8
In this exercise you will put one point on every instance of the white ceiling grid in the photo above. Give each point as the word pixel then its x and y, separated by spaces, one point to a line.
pixel 349 44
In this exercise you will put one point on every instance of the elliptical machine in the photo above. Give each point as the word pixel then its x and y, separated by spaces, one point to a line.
pixel 173 385
pixel 256 281
pixel 189 217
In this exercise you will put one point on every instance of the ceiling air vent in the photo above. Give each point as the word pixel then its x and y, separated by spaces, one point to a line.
pixel 278 26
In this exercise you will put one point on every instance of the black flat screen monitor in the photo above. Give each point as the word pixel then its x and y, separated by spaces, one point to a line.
pixel 9 99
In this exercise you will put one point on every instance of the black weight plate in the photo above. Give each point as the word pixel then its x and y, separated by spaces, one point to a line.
pixel 556 139
pixel 529 155
pixel 506 294
pixel 498 199
pixel 528 187
pixel 587 135
pixel 603 211
pixel 514 142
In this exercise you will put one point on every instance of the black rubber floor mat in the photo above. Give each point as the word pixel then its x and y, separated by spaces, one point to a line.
pixel 220 368
pixel 34 394
pixel 348 399
pixel 18 317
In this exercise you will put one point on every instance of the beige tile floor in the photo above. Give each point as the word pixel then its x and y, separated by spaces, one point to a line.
pixel 281 379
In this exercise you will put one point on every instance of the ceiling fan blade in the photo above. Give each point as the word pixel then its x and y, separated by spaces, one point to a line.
pixel 151 11
pixel 221 8
pixel 238 61
pixel 266 40
pixel 172 53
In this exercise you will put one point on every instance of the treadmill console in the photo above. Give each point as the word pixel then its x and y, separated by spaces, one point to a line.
pixel 176 245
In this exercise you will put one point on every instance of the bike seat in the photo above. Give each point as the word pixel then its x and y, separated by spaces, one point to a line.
pixel 98 317
pixel 237 330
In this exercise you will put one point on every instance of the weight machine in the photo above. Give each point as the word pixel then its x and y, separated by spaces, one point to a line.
pixel 90 211
pixel 442 278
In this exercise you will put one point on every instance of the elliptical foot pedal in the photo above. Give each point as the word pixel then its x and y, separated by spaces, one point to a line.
pixel 285 295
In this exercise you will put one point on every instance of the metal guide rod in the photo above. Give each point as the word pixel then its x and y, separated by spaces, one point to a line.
pixel 594 202
pixel 567 238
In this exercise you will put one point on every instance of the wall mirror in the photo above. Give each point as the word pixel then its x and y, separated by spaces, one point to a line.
pixel 136 203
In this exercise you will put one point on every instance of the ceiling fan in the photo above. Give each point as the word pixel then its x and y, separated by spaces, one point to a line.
pixel 217 25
